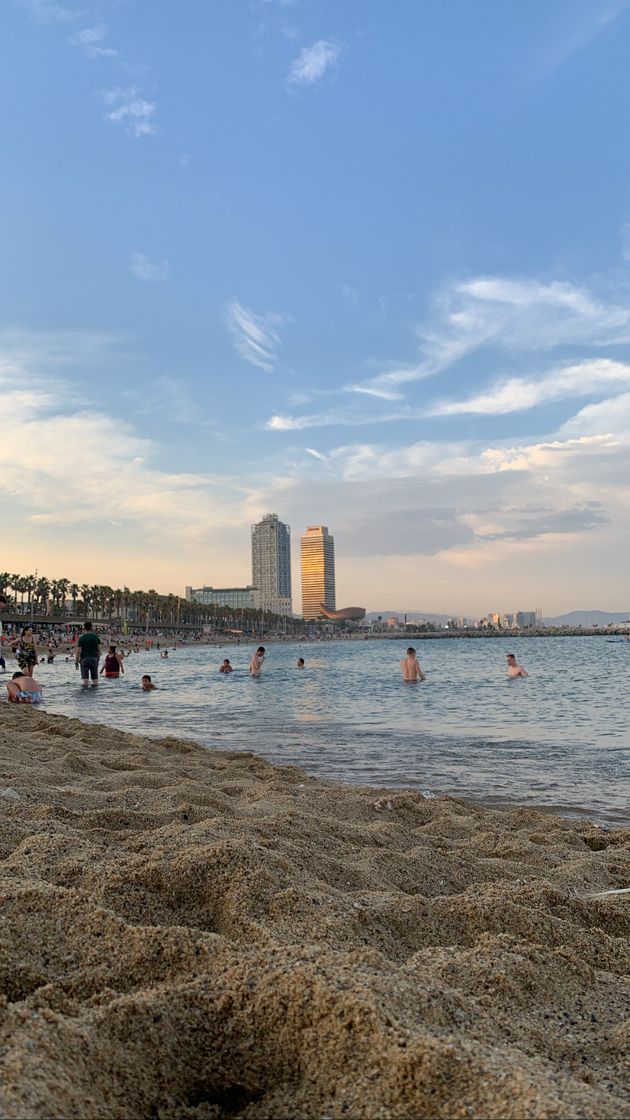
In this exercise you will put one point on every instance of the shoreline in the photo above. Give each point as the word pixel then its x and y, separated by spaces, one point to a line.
pixel 202 934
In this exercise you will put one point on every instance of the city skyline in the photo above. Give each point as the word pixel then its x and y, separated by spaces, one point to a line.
pixel 368 270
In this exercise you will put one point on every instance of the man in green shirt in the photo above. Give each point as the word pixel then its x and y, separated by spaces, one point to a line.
pixel 87 655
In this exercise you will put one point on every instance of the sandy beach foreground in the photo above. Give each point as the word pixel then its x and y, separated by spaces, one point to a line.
pixel 194 934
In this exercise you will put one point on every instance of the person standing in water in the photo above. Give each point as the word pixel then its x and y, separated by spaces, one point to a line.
pixel 87 654
pixel 255 665
pixel 226 667
pixel 513 668
pixel 25 650
pixel 410 667
pixel 113 665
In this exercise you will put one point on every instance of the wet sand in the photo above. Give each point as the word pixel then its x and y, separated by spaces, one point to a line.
pixel 193 934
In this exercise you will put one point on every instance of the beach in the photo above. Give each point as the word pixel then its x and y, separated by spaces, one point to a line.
pixel 199 934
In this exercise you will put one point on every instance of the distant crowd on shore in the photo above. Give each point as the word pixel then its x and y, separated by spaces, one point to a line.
pixel 24 688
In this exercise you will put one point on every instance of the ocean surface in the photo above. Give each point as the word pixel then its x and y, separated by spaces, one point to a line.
pixel 559 739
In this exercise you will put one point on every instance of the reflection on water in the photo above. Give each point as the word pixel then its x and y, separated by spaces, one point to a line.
pixel 560 739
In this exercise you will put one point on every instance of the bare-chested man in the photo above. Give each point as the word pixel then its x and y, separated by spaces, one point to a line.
pixel 513 668
pixel 24 689
pixel 255 664
pixel 410 667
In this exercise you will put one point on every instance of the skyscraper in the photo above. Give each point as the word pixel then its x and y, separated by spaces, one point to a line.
pixel 318 571
pixel 271 564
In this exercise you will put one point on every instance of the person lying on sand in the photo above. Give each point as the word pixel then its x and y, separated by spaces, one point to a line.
pixel 513 668
pixel 24 689
pixel 226 667
pixel 410 667
pixel 147 684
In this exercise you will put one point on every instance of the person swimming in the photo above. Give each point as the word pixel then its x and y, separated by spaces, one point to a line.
pixel 513 668
pixel 300 663
pixel 146 684
pixel 410 667
pixel 226 667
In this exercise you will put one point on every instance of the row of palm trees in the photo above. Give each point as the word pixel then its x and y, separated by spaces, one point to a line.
pixel 60 599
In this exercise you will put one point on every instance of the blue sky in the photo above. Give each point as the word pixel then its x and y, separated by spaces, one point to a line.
pixel 359 263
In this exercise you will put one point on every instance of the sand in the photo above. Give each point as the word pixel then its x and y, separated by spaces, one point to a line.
pixel 192 934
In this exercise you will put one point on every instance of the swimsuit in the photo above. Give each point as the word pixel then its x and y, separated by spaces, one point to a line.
pixel 25 655
pixel 29 697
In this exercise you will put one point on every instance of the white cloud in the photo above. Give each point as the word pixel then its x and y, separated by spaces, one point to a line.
pixel 609 417
pixel 312 63
pixel 90 42
pixel 126 107
pixel 515 394
pixel 256 336
pixel 376 391
pixel 143 269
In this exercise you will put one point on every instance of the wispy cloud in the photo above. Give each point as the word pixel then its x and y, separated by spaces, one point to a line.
pixel 126 107
pixel 515 394
pixel 46 11
pixel 312 63
pixel 90 41
pixel 510 315
pixel 144 269
pixel 256 336
pixel 585 24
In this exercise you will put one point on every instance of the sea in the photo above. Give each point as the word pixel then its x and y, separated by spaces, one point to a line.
pixel 558 740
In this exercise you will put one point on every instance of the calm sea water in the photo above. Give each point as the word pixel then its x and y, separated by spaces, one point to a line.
pixel 559 740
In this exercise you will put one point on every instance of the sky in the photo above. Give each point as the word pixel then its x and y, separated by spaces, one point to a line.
pixel 361 264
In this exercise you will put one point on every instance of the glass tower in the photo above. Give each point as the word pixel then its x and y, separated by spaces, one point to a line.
pixel 271 564
pixel 318 571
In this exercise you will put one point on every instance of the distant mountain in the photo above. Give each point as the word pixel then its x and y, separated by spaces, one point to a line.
pixel 588 618
pixel 412 616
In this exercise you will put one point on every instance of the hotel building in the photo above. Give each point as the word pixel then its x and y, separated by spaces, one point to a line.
pixel 271 564
pixel 235 598
pixel 318 571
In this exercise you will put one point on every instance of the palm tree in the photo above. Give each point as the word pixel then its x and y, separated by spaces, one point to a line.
pixel 74 592
pixel 86 595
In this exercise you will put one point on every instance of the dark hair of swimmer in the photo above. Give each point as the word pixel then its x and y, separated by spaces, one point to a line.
pixel 16 675
pixel 513 655
pixel 146 677
pixel 411 650
pixel 261 649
